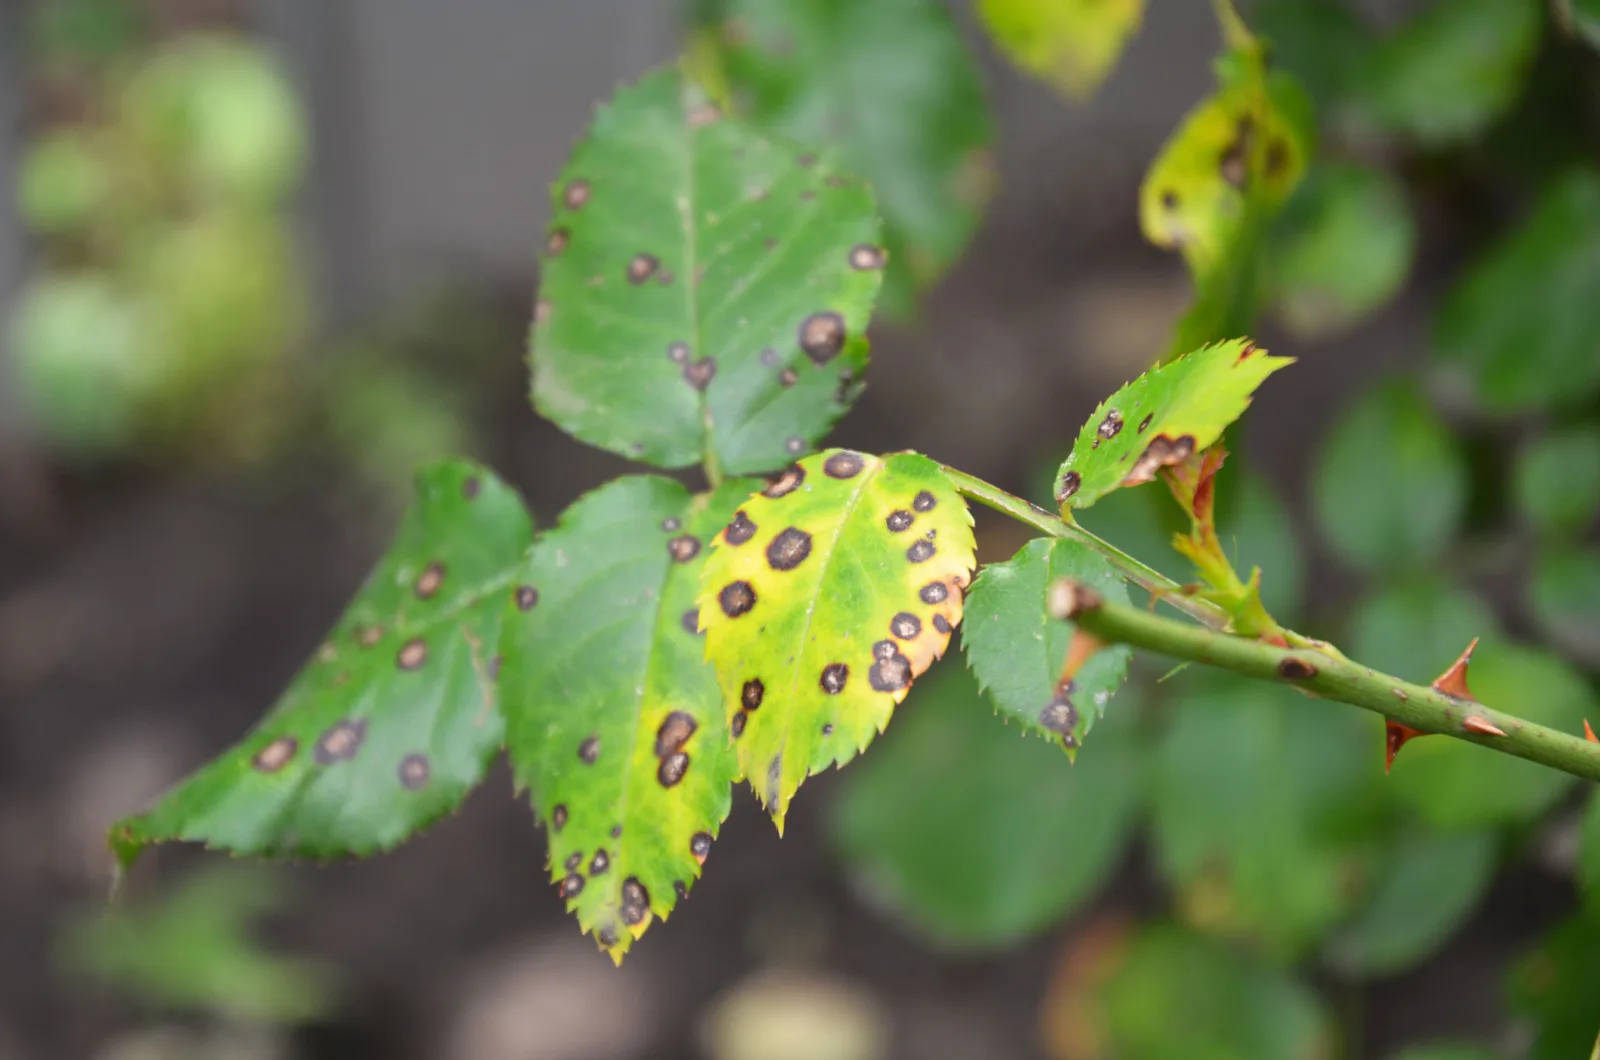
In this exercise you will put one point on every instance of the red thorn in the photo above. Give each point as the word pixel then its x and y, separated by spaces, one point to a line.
pixel 1453 682
pixel 1481 726
pixel 1395 737
pixel 1588 733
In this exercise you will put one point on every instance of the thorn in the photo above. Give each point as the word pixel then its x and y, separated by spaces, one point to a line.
pixel 1395 737
pixel 1588 733
pixel 1481 726
pixel 1453 682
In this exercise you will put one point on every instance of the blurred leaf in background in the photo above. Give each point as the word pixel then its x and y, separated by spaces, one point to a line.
pixel 1524 322
pixel 191 951
pixel 1557 479
pixel 1390 489
pixel 976 838
pixel 1454 68
pixel 893 86
pixel 1071 44
pixel 1564 594
pixel 1557 988
pixel 1323 43
pixel 1341 249
pixel 1415 628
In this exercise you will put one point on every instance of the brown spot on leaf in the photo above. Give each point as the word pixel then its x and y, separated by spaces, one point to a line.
pixel 635 902
pixel 834 677
pixel 1111 426
pixel 1059 715
pixel 1068 486
pixel 865 256
pixel 843 464
pixel 691 620
pixel 641 267
pixel 822 336
pixel 672 769
pixel 740 720
pixel 341 741
pixel 788 377
pixel 700 373
pixel 674 732
pixel 740 530
pixel 557 241
pixel 275 755
pixel 1145 423
pixel 575 194
pixel 574 860
pixel 700 846
pixel 736 598
pixel 413 771
pixel 751 694
pixel 572 886
pixel 805 161
pixel 678 352
pixel 589 750
pixel 789 549
pixel 429 580
pixel 412 654
pixel 1169 199
pixel 527 597
pixel 898 521
pixel 683 548
pixel 785 483
pixel 941 624
pixel 369 636
pixel 890 673
pixel 1161 452
pixel 924 502
pixel 558 817
pixel 920 551
pixel 934 593
pixel 905 625
pixel 599 863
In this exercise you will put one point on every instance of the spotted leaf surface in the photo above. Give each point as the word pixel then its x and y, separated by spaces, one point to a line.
pixel 1016 647
pixel 1162 418
pixel 613 718
pixel 1244 146
pixel 705 289
pixel 394 720
pixel 1072 44
pixel 892 85
pixel 826 595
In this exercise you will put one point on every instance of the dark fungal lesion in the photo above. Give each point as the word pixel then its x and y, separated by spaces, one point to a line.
pixel 412 654
pixel 822 336
pixel 843 465
pixel 792 478
pixel 789 549
pixel 341 741
pixel 683 548
pixel 737 598
pixel 275 755
pixel 740 529
pixel 589 750
pixel 635 902
pixel 920 551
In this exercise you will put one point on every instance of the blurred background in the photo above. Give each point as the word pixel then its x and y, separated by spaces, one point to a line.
pixel 258 258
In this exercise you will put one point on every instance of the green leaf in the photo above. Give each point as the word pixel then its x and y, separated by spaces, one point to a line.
pixel 926 819
pixel 1585 15
pixel 1175 993
pixel 1342 247
pixel 890 83
pixel 705 290
pixel 1071 44
pixel 1565 596
pixel 1447 1051
pixel 1017 648
pixel 825 597
pixel 192 951
pixel 1160 418
pixel 1453 69
pixel 1426 888
pixel 1558 988
pixel 1453 784
pixel 1522 322
pixel 1589 854
pixel 1254 799
pixel 1417 628
pixel 1323 43
pixel 1390 489
pixel 394 720
pixel 613 719
pixel 1557 480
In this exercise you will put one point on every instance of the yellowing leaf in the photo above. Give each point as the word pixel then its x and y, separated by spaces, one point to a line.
pixel 823 598
pixel 1072 44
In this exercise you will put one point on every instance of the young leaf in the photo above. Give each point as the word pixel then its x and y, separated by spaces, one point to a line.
pixel 892 84
pixel 1072 45
pixel 1454 68
pixel 1522 323
pixel 1016 647
pixel 825 596
pixel 705 290
pixel 1161 418
pixel 1341 248
pixel 1390 446
pixel 613 719
pixel 924 820
pixel 394 720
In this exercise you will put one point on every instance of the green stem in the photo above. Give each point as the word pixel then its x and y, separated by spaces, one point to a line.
pixel 1134 571
pixel 1421 707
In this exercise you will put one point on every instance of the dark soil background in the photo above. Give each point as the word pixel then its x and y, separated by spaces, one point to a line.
pixel 147 619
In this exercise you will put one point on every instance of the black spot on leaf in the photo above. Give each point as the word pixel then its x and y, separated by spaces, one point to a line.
pixel 822 336
pixel 674 732
pixel 340 742
pixel 789 549
pixel 751 694
pixel 934 593
pixel 920 551
pixel 786 483
pixel 642 267
pixel 740 530
pixel 898 521
pixel 635 902
pixel 683 548
pixel 905 625
pixel 527 597
pixel 736 598
pixel 672 769
pixel 412 654
pixel 275 755
pixel 843 464
pixel 572 886
pixel 834 676
pixel 589 751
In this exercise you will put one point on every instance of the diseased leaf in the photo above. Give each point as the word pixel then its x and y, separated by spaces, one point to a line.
pixel 1557 987
pixel 705 289
pixel 1391 485
pixel 394 721
pixel 1456 785
pixel 951 793
pixel 1557 480
pixel 1427 886
pixel 1453 69
pixel 894 87
pixel 1565 597
pixel 1524 323
pixel 613 719
pixel 825 596
pixel 1161 418
pixel 1017 648
pixel 1263 812
pixel 1071 44
pixel 1341 248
